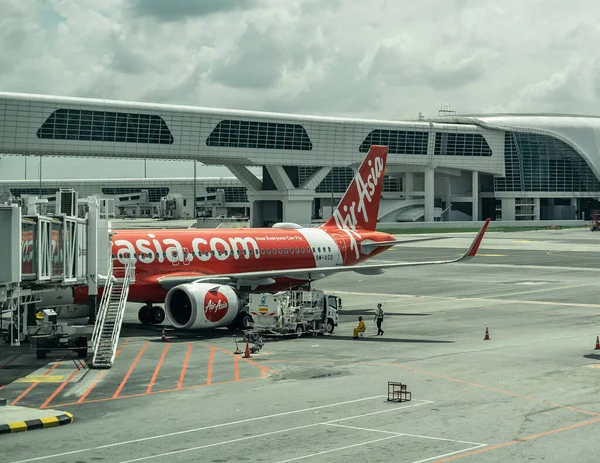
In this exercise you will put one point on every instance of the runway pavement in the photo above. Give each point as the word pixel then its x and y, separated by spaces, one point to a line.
pixel 527 394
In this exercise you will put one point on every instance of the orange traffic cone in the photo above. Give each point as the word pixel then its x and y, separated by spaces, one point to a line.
pixel 163 338
pixel 597 342
pixel 487 335
pixel 247 353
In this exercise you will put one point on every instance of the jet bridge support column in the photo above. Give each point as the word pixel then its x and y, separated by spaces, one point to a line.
pixel 92 261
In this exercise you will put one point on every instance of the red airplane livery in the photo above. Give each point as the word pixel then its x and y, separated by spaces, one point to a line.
pixel 204 277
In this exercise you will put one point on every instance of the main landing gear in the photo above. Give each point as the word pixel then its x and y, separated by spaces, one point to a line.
pixel 151 315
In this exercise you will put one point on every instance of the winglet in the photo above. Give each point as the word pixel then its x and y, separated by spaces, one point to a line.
pixel 472 252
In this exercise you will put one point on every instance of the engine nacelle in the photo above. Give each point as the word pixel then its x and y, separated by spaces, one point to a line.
pixel 201 305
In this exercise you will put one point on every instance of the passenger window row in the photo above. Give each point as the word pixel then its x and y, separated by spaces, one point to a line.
pixel 302 250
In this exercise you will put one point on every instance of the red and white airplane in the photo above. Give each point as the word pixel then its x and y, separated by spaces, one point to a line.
pixel 203 277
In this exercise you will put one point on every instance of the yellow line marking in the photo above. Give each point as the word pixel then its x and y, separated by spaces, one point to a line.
pixel 41 379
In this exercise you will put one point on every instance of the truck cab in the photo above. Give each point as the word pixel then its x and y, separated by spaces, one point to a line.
pixel 332 306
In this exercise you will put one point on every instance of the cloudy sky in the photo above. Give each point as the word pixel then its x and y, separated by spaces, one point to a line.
pixel 375 58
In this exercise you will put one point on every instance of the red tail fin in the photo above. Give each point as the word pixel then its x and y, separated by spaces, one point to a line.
pixel 360 205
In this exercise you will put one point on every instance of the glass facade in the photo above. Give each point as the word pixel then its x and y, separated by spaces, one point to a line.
pixel 154 193
pixel 104 126
pixel 461 144
pixel 397 141
pixel 535 162
pixel 17 192
pixel 261 135
pixel 233 194
pixel 340 177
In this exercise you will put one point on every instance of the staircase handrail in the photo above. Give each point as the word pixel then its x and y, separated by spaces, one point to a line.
pixel 104 301
pixel 129 272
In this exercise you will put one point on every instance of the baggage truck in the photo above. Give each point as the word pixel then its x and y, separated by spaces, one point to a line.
pixel 294 311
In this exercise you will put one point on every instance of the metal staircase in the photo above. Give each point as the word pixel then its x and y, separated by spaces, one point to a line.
pixel 110 316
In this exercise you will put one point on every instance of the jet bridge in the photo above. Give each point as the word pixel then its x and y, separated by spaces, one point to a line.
pixel 46 253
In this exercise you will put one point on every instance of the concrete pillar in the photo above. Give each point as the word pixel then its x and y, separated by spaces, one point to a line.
pixel 409 184
pixel 508 209
pixel 429 194
pixel 256 212
pixel 475 196
pixel 448 185
pixel 536 209
pixel 297 210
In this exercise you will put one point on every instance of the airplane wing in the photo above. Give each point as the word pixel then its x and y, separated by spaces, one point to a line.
pixel 368 246
pixel 266 277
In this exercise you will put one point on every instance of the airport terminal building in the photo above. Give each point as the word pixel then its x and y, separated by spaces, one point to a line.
pixel 465 168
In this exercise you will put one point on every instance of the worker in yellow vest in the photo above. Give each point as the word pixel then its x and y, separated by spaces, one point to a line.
pixel 361 328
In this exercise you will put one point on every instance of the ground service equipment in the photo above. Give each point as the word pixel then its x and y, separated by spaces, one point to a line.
pixel 595 225
pixel 52 335
pixel 294 311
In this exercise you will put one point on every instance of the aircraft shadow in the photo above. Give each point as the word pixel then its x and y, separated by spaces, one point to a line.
pixel 592 356
pixel 373 338
pixel 371 313
pixel 27 363
pixel 175 336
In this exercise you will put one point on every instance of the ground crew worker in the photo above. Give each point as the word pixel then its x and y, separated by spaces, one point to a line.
pixel 361 328
pixel 379 319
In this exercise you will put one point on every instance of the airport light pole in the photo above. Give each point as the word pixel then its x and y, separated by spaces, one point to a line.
pixel 194 190
pixel 40 176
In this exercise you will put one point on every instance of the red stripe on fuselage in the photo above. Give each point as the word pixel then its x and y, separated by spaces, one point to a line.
pixel 204 252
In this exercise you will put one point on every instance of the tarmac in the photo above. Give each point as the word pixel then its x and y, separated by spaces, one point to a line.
pixel 526 394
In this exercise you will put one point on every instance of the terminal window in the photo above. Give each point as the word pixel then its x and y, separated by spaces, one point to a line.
pixel 104 126
pixel 397 141
pixel 233 194
pixel 338 179
pixel 263 135
pixel 17 192
pixel 154 193
pixel 461 144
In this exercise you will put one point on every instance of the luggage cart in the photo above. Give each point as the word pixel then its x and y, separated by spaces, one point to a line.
pixel 397 392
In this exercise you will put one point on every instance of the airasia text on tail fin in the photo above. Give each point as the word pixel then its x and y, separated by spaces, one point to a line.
pixel 359 207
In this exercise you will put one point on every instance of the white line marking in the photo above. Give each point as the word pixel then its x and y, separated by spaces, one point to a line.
pixel 256 436
pixel 507 266
pixel 407 435
pixel 472 299
pixel 363 429
pixel 444 439
pixel 449 454
pixel 424 402
pixel 215 444
pixel 338 449
pixel 160 436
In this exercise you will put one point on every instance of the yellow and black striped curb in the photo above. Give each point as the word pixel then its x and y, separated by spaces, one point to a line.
pixel 49 422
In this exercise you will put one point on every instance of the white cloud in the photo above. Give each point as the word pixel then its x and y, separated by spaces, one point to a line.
pixel 382 58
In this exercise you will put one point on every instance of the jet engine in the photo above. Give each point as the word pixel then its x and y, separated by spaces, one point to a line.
pixel 201 305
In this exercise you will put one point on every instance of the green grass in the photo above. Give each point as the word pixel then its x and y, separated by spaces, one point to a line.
pixel 425 230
